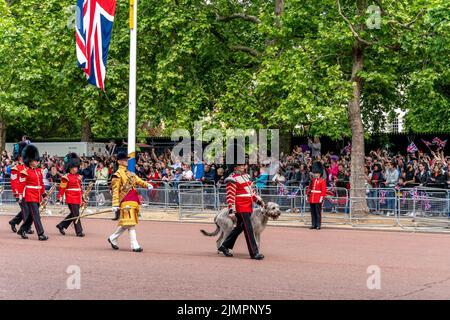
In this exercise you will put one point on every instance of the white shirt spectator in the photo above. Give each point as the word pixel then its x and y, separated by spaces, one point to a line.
pixel 187 175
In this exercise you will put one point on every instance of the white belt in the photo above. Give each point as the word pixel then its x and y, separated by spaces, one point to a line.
pixel 244 195
pixel 33 187
pixel 73 189
pixel 316 191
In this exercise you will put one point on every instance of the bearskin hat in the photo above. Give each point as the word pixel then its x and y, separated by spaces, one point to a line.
pixel 71 160
pixel 121 155
pixel 317 167
pixel 18 153
pixel 30 153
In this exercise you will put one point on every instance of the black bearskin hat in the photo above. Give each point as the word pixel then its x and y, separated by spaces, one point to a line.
pixel 317 167
pixel 71 160
pixel 18 153
pixel 30 153
pixel 121 155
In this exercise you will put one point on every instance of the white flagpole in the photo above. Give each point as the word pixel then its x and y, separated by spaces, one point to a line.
pixel 132 88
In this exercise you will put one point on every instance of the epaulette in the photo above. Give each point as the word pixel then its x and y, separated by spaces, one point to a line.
pixel 230 179
pixel 24 171
pixel 14 168
pixel 65 177
pixel 116 175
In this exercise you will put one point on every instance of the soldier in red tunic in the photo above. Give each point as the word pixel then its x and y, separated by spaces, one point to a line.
pixel 316 193
pixel 17 185
pixel 240 198
pixel 33 192
pixel 72 189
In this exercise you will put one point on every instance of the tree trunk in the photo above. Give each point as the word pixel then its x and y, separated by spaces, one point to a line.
pixel 2 135
pixel 357 178
pixel 86 130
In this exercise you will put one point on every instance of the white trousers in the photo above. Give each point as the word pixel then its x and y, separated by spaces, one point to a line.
pixel 131 232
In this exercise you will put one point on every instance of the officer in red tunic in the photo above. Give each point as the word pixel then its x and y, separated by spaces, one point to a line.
pixel 17 185
pixel 33 192
pixel 71 187
pixel 240 198
pixel 316 192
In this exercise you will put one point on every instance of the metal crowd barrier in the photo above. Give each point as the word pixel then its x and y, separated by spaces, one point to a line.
pixel 420 207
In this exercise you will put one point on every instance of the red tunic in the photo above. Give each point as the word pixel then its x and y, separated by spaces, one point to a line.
pixel 71 187
pixel 34 184
pixel 17 182
pixel 240 193
pixel 317 190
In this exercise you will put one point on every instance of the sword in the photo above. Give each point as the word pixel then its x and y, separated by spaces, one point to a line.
pixel 93 214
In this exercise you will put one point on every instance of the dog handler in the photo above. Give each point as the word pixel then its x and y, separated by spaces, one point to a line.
pixel 240 198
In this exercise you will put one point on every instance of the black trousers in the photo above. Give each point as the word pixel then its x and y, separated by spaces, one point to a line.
pixel 243 224
pixel 32 216
pixel 316 214
pixel 74 212
pixel 20 216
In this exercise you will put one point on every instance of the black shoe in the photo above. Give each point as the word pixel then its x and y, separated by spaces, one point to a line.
pixel 61 230
pixel 42 237
pixel 30 232
pixel 81 235
pixel 23 234
pixel 259 256
pixel 312 227
pixel 225 251
pixel 318 228
pixel 113 245
pixel 138 250
pixel 13 226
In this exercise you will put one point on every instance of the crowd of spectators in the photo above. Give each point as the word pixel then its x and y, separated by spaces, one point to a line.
pixel 383 169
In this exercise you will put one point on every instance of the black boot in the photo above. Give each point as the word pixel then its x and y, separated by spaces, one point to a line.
pixel 13 226
pixel 23 234
pixel 61 230
pixel 30 231
pixel 138 250
pixel 81 234
pixel 225 251
pixel 117 216
pixel 258 256
pixel 43 237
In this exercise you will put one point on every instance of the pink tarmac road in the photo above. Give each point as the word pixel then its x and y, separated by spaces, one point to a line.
pixel 178 262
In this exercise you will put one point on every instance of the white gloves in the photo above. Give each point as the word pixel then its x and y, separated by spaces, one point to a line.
pixel 115 209
pixel 150 187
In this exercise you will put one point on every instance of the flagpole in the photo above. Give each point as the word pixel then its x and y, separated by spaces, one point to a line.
pixel 132 88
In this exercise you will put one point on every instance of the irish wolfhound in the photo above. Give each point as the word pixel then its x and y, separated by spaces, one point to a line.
pixel 259 218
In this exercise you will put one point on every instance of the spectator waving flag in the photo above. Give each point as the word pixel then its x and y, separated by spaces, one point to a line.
pixel 427 143
pixel 93 34
pixel 412 148
pixel 439 142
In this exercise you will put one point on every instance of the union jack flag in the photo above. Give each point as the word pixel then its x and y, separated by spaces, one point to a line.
pixel 93 34
pixel 439 142
pixel 412 148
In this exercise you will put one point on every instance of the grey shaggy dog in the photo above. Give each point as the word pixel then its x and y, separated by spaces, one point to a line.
pixel 259 218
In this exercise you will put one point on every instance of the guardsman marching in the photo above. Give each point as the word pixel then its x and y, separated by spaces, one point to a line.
pixel 72 188
pixel 240 198
pixel 33 192
pixel 316 192
pixel 17 185
pixel 125 200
